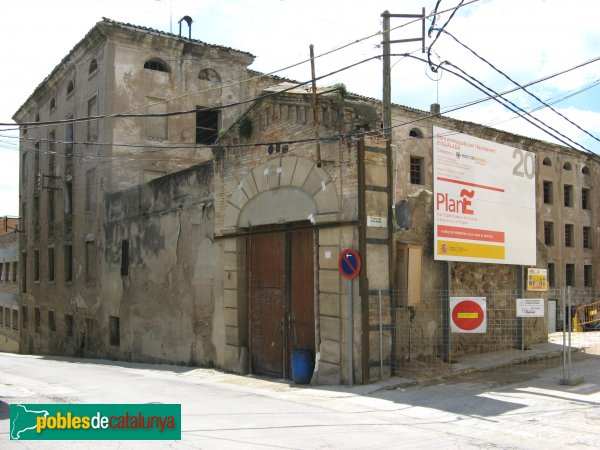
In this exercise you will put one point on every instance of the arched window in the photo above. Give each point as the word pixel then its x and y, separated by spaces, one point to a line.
pixel 585 170
pixel 70 87
pixel 567 166
pixel 547 162
pixel 210 75
pixel 52 103
pixel 416 133
pixel 93 66
pixel 156 64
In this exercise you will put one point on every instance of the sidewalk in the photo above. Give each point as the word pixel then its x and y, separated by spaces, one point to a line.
pixel 587 342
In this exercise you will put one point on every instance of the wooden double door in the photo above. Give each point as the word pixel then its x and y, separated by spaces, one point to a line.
pixel 281 299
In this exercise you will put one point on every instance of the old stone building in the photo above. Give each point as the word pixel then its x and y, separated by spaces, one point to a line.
pixel 168 221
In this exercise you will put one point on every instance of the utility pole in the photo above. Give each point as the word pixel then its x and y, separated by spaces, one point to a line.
pixel 387 114
pixel 387 133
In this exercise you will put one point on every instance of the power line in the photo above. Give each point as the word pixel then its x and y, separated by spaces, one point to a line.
pixel 518 85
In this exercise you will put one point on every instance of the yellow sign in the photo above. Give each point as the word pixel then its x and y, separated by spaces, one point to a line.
pixel 469 250
pixel 537 280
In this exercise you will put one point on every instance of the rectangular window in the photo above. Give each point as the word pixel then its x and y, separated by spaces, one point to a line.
pixel 24 168
pixel 52 153
pixel 15 272
pixel 24 317
pixel 92 125
pixel 37 319
pixel 568 195
pixel 416 170
pixel 548 192
pixel 1 315
pixel 90 190
pixel 587 276
pixel 587 237
pixel 68 324
pixel 113 329
pixel 15 319
pixel 2 278
pixel 124 257
pixel 570 274
pixel 23 225
pixel 569 235
pixel 36 266
pixel 6 271
pixel 51 214
pixel 36 167
pixel 68 251
pixel 7 317
pixel 585 199
pixel 551 275
pixel 51 267
pixel 68 198
pixel 207 126
pixel 157 126
pixel 36 217
pixel 24 273
pixel 69 141
pixel 90 262
pixel 549 233
pixel 51 321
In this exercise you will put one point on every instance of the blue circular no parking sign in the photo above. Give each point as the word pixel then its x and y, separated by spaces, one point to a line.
pixel 349 263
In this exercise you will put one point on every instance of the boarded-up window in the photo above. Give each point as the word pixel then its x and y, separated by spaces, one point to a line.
pixel 408 273
pixel 157 126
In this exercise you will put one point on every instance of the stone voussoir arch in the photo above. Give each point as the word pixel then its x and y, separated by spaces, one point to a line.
pixel 286 189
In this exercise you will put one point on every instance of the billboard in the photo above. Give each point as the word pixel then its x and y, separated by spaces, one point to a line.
pixel 484 200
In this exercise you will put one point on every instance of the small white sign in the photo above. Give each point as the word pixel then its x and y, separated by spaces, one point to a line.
pixel 377 221
pixel 530 307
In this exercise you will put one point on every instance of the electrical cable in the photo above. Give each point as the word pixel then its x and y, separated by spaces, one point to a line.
pixel 517 84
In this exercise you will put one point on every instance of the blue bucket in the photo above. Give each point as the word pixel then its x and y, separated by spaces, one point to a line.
pixel 303 364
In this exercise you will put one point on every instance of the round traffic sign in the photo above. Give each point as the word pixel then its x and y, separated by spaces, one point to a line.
pixel 468 315
pixel 349 263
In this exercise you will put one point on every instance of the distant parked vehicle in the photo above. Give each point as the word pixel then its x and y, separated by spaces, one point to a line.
pixel 592 327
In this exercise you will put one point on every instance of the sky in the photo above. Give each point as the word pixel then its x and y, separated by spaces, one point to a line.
pixel 527 40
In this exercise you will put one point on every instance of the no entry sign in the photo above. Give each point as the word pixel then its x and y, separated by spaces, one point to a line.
pixel 349 263
pixel 468 315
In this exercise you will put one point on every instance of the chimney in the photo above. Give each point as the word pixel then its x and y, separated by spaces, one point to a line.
pixel 189 21
pixel 434 109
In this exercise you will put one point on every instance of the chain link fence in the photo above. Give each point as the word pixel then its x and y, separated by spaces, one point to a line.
pixel 462 326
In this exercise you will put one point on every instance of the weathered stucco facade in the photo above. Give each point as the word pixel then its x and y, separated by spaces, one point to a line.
pixel 179 223
pixel 9 285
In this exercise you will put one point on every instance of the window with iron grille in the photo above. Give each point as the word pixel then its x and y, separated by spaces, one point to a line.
pixel 416 170
pixel 585 199
pixel 570 274
pixel 548 192
pixel 568 235
pixel 587 276
pixel 587 237
pixel 549 233
pixel 568 195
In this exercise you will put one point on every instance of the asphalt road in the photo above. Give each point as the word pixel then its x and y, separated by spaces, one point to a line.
pixel 524 407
